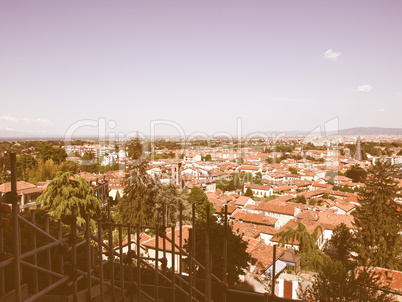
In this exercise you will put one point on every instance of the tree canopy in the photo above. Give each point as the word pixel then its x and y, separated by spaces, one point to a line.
pixel 64 191
pixel 311 256
pixel 201 201
pixel 379 220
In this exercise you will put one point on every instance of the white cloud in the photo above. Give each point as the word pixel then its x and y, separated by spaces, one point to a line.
pixel 380 110
pixel 22 123
pixel 332 55
pixel 364 88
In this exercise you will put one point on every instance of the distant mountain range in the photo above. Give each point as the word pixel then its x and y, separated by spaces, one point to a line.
pixel 371 131
pixel 362 131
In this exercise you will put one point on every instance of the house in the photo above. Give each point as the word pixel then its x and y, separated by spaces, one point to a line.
pixel 259 190
pixel 150 245
pixel 390 279
pixel 282 211
pixel 329 221
pixel 99 184
pixel 27 193
pixel 255 218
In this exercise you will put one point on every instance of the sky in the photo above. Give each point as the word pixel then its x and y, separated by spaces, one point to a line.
pixel 82 67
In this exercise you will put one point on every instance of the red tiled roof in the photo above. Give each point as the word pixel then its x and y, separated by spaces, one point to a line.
pixel 329 220
pixel 21 185
pixel 258 187
pixel 151 243
pixel 259 218
pixel 287 209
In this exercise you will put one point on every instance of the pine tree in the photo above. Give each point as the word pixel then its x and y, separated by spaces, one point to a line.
pixel 137 204
pixel 200 200
pixel 379 220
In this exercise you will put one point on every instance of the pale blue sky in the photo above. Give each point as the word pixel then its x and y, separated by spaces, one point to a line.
pixel 277 65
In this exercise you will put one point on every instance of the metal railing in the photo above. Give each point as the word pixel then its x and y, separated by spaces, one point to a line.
pixel 85 262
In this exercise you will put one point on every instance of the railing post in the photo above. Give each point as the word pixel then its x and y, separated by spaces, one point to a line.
pixel 190 263
pixel 173 265
pixel 35 257
pixel 129 253
pixel 73 234
pixel 61 261
pixel 121 262
pixel 100 253
pixel 207 261
pixel 138 231
pixel 193 245
pixel 181 240
pixel 225 251
pixel 88 246
pixel 273 272
pixel 157 263
pixel 48 254
pixel 16 231
pixel 111 258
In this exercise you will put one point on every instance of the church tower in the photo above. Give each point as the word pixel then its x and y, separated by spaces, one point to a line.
pixel 358 155
pixel 176 165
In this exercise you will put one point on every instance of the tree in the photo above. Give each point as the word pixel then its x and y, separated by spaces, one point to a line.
pixel 337 278
pixel 356 173
pixel 293 170
pixel 301 199
pixel 379 220
pixel 207 157
pixel 47 151
pixel 135 148
pixel 64 191
pixel 24 163
pixel 169 196
pixel 137 204
pixel 201 201
pixel 249 193
pixel 311 256
pixel 342 240
pixel 237 257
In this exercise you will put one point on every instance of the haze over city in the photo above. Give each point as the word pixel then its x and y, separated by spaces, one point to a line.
pixel 277 65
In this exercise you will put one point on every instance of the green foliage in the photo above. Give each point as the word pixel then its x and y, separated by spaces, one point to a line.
pixel 356 173
pixel 169 196
pixel 24 162
pixel 64 191
pixel 293 170
pixel 161 156
pixel 46 151
pixel 207 157
pixel 237 257
pixel 336 278
pixel 311 256
pixel 88 156
pixel 200 200
pixel 138 204
pixel 378 220
pixel 342 240
pixel 249 193
pixel 135 148
pixel 144 197
pixel 273 160
pixel 301 199
pixel 236 183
